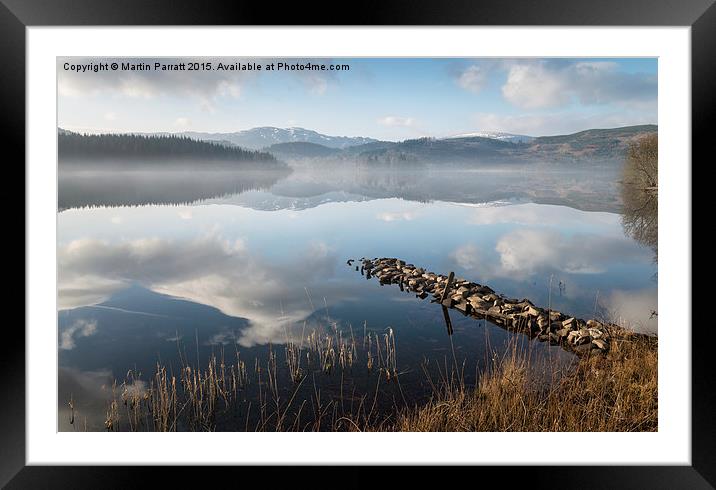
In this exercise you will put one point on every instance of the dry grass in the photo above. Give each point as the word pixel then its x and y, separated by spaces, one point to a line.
pixel 516 392
pixel 613 393
pixel 194 399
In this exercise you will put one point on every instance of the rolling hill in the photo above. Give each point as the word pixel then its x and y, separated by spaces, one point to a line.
pixel 297 144
pixel 258 138
pixel 594 145
pixel 301 150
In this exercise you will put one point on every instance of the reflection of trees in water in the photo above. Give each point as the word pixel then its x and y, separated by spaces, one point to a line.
pixel 391 182
pixel 83 188
pixel 587 189
pixel 590 189
pixel 640 217
pixel 640 194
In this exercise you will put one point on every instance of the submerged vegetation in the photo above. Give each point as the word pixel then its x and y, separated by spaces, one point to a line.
pixel 514 392
pixel 194 398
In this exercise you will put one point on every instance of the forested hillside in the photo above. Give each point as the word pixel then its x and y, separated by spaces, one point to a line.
pixel 141 147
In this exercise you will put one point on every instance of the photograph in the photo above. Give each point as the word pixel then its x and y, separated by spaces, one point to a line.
pixel 368 244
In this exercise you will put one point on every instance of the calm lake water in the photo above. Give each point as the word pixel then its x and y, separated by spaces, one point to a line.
pixel 172 266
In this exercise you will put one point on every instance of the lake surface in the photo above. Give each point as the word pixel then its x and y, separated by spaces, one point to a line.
pixel 171 266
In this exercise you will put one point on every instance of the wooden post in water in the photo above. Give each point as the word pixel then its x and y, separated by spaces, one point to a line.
pixel 446 314
pixel 448 322
pixel 451 276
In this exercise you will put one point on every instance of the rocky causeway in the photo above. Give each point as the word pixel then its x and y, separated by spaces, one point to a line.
pixel 481 302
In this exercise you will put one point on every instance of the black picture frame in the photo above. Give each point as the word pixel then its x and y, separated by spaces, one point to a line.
pixel 700 15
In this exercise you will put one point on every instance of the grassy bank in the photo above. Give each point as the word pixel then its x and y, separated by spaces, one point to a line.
pixel 514 392
pixel 617 392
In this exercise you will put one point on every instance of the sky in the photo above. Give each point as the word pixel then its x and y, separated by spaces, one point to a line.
pixel 384 98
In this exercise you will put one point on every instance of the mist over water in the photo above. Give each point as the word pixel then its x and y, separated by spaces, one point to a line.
pixel 158 261
pixel 107 183
pixel 83 184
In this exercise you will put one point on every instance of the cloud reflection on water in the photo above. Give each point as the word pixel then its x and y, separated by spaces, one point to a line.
pixel 257 261
pixel 210 270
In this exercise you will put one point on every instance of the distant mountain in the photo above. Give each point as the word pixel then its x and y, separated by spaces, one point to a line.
pixel 258 138
pixel 496 135
pixel 594 145
pixel 300 150
pixel 298 144
pixel 440 150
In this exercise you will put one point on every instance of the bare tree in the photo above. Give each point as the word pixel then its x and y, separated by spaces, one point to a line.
pixel 640 192
pixel 641 168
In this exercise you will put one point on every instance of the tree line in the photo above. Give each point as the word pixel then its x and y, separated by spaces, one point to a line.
pixel 134 146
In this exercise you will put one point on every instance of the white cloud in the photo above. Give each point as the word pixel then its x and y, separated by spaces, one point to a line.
pixel 205 86
pixel 522 124
pixel 230 88
pixel 75 291
pixel 182 122
pixel 523 252
pixel 530 250
pixel 531 86
pixel 633 309
pixel 89 390
pixel 397 216
pixel 543 215
pixel 149 83
pixel 208 270
pixel 473 78
pixel 555 83
pixel 317 85
pixel 397 121
pixel 468 257
pixel 80 328
pixel 145 258
pixel 110 116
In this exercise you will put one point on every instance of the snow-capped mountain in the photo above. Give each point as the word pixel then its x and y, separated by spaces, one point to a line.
pixel 495 135
pixel 258 138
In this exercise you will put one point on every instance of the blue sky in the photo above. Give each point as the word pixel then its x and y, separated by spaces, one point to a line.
pixel 385 98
